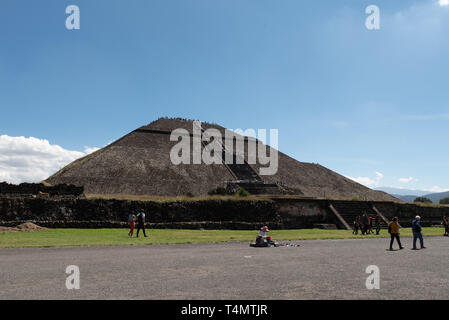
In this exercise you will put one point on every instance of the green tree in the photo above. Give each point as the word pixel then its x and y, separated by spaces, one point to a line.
pixel 219 191
pixel 242 193
pixel 444 200
pixel 423 200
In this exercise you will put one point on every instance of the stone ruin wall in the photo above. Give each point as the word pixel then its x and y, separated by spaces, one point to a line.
pixel 207 214
pixel 30 189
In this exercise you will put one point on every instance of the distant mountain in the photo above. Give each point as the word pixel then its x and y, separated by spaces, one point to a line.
pixel 402 192
pixel 405 198
pixel 410 195
pixel 436 197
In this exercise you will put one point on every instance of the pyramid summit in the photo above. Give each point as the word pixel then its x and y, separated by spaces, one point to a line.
pixel 139 163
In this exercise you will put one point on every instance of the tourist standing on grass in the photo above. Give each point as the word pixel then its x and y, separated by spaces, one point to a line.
pixel 365 223
pixel 132 224
pixel 141 223
pixel 393 229
pixel 377 224
pixel 371 222
pixel 445 224
pixel 417 234
pixel 356 225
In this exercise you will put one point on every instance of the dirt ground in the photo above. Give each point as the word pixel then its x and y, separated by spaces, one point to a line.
pixel 24 227
pixel 318 269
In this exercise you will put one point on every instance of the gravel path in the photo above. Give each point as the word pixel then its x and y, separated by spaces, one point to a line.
pixel 319 269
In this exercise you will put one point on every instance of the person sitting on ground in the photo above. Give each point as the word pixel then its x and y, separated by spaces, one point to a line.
pixel 417 234
pixel 393 229
pixel 262 237
pixel 445 224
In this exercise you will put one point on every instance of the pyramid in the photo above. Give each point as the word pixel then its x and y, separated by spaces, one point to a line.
pixel 139 164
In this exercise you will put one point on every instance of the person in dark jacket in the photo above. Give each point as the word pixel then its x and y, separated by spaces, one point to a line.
pixel 356 228
pixel 445 224
pixel 365 223
pixel 377 224
pixel 371 223
pixel 141 223
pixel 417 234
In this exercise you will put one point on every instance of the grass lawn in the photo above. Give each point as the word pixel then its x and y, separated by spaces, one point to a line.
pixel 107 237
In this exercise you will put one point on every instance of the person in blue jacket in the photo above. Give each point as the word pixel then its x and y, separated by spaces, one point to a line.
pixel 417 234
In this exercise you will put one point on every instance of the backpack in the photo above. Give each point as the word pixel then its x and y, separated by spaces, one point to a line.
pixel 415 226
pixel 140 218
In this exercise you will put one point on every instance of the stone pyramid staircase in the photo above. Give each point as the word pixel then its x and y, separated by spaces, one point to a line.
pixel 347 211
pixel 245 176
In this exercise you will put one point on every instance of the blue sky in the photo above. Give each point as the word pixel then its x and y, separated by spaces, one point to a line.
pixel 370 104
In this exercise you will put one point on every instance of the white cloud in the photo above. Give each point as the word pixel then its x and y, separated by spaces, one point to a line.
pixel 379 176
pixel 89 150
pixel 444 3
pixel 32 159
pixel 364 180
pixel 367 181
pixel 436 189
pixel 407 180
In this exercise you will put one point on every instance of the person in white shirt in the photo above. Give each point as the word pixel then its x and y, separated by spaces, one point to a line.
pixel 260 240
pixel 132 223
pixel 263 232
